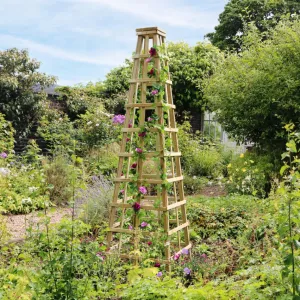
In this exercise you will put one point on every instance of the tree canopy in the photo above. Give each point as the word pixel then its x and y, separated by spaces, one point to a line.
pixel 255 93
pixel 188 67
pixel 18 77
pixel 265 14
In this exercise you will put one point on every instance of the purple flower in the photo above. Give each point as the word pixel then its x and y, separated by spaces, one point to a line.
pixel 128 140
pixel 159 274
pixel 139 150
pixel 151 72
pixel 144 224
pixel 143 190
pixel 122 191
pixel 148 59
pixel 154 92
pixel 157 265
pixel 185 251
pixel 136 206
pixel 118 119
pixel 187 271
pixel 152 51
pixel 130 227
pixel 3 155
pixel 142 134
pixel 149 243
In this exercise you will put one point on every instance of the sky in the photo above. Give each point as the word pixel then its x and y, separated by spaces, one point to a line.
pixel 82 40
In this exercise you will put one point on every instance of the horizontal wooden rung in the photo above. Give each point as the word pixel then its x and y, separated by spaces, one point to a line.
pixel 149 81
pixel 177 204
pixel 174 179
pixel 152 154
pixel 178 228
pixel 151 129
pixel 149 105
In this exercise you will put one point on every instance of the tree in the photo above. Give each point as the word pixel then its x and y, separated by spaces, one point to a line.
pixel 18 77
pixel 255 93
pixel 188 67
pixel 265 14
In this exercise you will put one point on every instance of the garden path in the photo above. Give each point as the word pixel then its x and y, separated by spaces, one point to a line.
pixel 17 224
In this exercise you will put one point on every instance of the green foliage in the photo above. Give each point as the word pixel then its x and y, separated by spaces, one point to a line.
pixel 59 175
pixel 237 13
pixel 18 77
pixel 189 66
pixel 57 130
pixel 288 219
pixel 220 218
pixel 95 129
pixel 7 141
pixel 193 184
pixel 199 158
pixel 257 92
pixel 251 174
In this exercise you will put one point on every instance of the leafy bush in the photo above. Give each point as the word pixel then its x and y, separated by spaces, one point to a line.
pixel 57 130
pixel 102 160
pixel 59 175
pixel 7 141
pixel 251 174
pixel 94 201
pixel 199 157
pixel 193 185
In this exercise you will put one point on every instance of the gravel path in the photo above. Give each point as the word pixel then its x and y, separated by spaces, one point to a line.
pixel 17 224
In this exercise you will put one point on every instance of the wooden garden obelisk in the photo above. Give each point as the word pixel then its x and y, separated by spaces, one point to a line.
pixel 148 211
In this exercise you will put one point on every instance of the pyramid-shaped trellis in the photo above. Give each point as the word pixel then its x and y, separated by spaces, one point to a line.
pixel 148 211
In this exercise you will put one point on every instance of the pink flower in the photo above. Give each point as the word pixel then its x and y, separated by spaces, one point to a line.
pixel 129 125
pixel 152 51
pixel 157 265
pixel 154 92
pixel 139 150
pixel 148 59
pixel 128 140
pixel 143 190
pixel 144 224
pixel 122 191
pixel 149 119
pixel 142 134
pixel 130 227
pixel 136 206
pixel 159 274
pixel 133 166
pixel 100 255
pixel 149 243
pixel 176 256
pixel 204 256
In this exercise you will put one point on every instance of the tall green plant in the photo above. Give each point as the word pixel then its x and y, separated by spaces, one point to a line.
pixel 289 219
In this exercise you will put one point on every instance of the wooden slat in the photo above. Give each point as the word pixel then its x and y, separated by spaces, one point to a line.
pixel 152 154
pixel 186 224
pixel 148 81
pixel 150 130
pixel 174 179
pixel 149 105
pixel 177 204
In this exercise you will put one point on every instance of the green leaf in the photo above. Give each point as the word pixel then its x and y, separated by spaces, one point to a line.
pixel 283 168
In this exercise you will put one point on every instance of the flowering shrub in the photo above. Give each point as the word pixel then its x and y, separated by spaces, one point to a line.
pixel 250 174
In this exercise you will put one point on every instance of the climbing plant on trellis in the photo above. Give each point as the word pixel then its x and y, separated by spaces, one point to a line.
pixel 148 212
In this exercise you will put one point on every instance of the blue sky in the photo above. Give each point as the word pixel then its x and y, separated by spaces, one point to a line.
pixel 81 40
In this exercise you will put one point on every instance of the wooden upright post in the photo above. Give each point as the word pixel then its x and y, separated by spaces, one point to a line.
pixel 148 212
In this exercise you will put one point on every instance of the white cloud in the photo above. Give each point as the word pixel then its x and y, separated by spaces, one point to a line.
pixel 110 59
pixel 166 12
